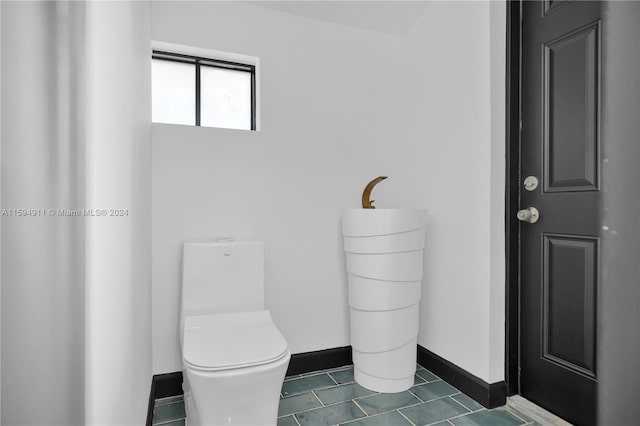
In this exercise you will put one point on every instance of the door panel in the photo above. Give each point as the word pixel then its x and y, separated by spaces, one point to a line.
pixel 551 5
pixel 560 144
pixel 571 87
pixel 569 294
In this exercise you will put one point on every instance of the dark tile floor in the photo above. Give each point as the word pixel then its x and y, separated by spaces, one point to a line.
pixel 169 411
pixel 331 397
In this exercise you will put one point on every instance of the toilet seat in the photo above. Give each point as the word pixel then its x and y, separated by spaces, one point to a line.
pixel 229 341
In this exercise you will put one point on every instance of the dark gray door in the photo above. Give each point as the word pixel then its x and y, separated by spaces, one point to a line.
pixel 561 74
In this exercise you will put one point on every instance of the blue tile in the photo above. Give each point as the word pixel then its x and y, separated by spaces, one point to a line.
pixel 468 402
pixel 342 393
pixel 331 415
pixel 294 404
pixel 417 380
pixel 343 376
pixel 392 418
pixel 383 402
pixel 168 400
pixel 426 375
pixel 176 423
pixel 434 390
pixel 304 384
pixel 497 417
pixel 433 411
pixel 287 421
pixel 168 412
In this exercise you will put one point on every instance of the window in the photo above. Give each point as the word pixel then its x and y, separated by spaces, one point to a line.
pixel 202 92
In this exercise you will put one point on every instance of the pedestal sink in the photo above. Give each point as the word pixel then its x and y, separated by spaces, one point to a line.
pixel 384 249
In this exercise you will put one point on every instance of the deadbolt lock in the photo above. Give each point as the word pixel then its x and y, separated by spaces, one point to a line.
pixel 529 215
pixel 530 183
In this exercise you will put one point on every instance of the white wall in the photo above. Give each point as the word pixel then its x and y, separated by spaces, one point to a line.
pixel 462 309
pixel 0 217
pixel 341 105
pixel 118 176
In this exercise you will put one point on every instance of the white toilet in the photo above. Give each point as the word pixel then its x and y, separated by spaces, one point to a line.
pixel 234 358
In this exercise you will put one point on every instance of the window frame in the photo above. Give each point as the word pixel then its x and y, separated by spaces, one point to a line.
pixel 199 61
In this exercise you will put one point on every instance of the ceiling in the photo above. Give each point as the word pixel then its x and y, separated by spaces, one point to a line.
pixel 391 17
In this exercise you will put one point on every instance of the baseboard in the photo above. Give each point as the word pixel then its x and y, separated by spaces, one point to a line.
pixel 490 395
pixel 163 386
pixel 319 360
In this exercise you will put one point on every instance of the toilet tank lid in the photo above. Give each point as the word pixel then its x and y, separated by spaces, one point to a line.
pixel 235 340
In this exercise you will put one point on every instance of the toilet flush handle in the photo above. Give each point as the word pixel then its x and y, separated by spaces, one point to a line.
pixel 224 240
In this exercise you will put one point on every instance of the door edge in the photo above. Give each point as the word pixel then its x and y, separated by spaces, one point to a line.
pixel 512 179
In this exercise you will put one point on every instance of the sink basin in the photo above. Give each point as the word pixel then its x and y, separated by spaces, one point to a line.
pixel 384 249
pixel 383 230
pixel 370 222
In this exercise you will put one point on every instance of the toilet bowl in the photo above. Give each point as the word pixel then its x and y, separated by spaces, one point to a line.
pixel 234 358
pixel 233 366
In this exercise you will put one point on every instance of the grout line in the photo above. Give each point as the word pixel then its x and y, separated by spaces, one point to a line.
pixel 313 391
pixel 295 419
pixel 358 405
pixel 460 403
pixel 292 377
pixel 324 371
pixel 313 373
pixel 515 413
pixel 317 408
pixel 465 414
pixel 343 368
pixel 419 399
pixel 423 402
pixel 306 390
pixel 166 422
pixel 435 379
pixel 334 380
pixel 408 419
pixel 167 400
pixel 469 408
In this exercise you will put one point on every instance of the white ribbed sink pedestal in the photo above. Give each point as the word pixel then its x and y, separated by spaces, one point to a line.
pixel 384 250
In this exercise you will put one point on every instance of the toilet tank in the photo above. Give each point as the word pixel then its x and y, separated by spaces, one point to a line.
pixel 222 277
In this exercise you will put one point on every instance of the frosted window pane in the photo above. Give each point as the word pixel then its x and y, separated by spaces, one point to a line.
pixel 225 97
pixel 173 92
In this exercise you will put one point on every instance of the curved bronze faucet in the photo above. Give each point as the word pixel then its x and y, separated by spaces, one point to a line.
pixel 366 202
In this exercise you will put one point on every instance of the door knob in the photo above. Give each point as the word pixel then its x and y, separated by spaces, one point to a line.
pixel 529 215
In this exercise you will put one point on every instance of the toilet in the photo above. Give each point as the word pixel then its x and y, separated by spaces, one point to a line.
pixel 234 359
